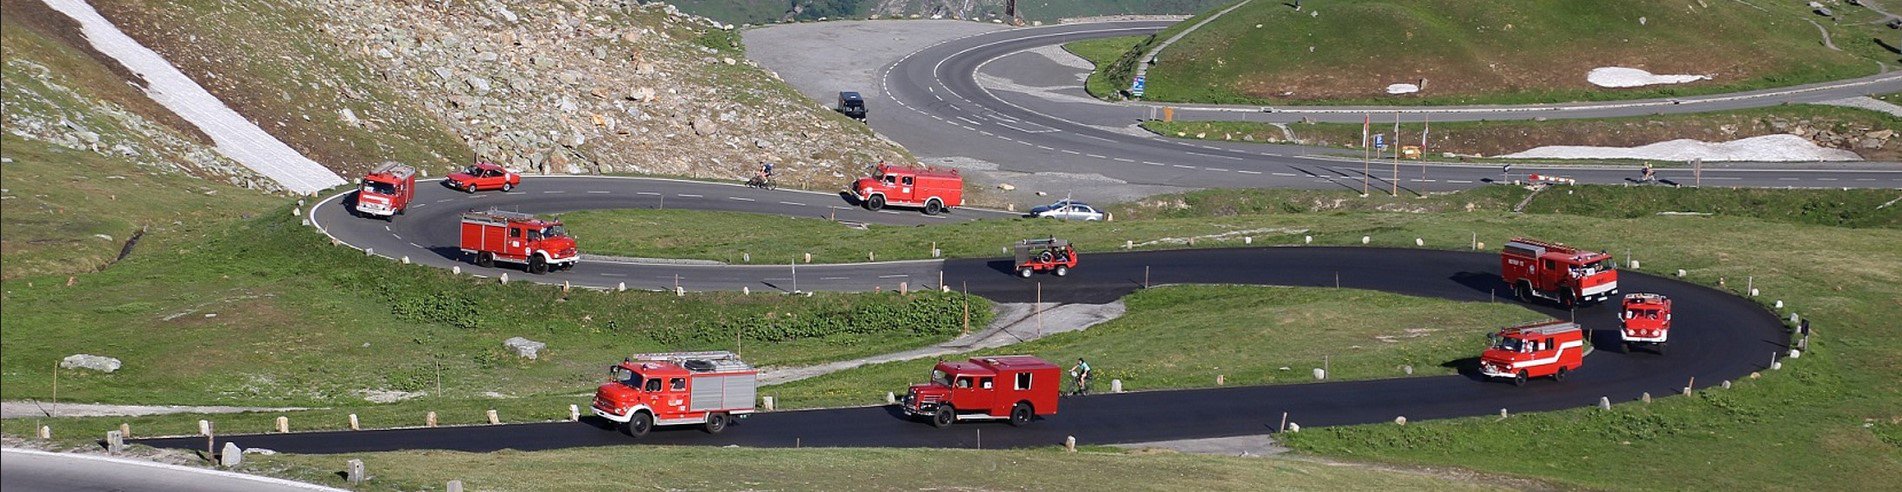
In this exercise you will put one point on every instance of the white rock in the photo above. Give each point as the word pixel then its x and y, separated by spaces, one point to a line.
pixel 524 347
pixel 88 361
pixel 1402 89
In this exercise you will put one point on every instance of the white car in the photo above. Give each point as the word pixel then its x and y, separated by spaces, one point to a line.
pixel 1067 210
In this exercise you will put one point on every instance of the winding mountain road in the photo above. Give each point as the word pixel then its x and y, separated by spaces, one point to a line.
pixel 1718 337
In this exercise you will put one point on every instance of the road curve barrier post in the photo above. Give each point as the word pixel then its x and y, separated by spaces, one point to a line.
pixel 354 423
pixel 494 419
pixel 429 419
pixel 891 398
pixel 1220 380
pixel 204 427
pixel 125 429
pixel 354 473
pixel 369 251
pixel 1400 421
pixel 1294 427
pixel 453 486
pixel 1503 414
pixel 1646 398
pixel 505 278
pixel 1320 373
pixel 766 402
pixel 283 424
pixel 405 259
pixel 1365 239
pixel 46 432
pixel 1307 239
pixel 1069 444
pixel 1604 403
pixel 620 287
pixel 1116 386
pixel 574 413
pixel 457 269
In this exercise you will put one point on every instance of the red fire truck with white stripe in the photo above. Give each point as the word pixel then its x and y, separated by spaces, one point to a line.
pixel 386 191
pixel 514 237
pixel 1646 320
pixel 1552 271
pixel 1552 348
pixel 709 389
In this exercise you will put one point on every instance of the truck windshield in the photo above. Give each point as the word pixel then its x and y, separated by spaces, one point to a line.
pixel 554 231
pixel 1510 344
pixel 940 377
pixel 376 188
pixel 624 376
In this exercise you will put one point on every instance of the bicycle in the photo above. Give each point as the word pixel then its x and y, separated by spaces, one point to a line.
pixel 762 182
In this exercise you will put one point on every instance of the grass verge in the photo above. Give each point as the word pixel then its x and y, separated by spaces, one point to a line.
pixel 1838 127
pixel 1183 336
pixel 1103 53
pixel 841 469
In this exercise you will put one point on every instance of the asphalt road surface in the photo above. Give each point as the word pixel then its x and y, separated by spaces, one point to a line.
pixel 989 97
pixel 1718 336
pixel 24 470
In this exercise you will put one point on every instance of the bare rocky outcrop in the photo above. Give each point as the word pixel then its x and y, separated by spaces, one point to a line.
pixel 599 86
pixel 92 362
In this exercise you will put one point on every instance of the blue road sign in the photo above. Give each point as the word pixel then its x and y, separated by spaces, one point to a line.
pixel 1136 88
pixel 1380 140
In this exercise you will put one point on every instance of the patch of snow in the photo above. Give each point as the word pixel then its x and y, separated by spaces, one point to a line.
pixel 1631 77
pixel 1402 89
pixel 235 136
pixel 1766 148
pixel 388 396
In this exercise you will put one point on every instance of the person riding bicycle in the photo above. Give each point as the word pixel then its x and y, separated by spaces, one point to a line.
pixel 765 170
pixel 1647 175
pixel 1082 374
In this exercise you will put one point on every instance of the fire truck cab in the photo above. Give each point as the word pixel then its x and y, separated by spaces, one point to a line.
pixel 1646 320
pixel 386 191
pixel 1537 350
pixel 935 191
pixel 1014 387
pixel 1556 272
pixel 513 237
pixel 709 389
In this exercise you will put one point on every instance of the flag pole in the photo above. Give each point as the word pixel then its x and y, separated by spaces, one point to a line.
pixel 1396 154
pixel 1366 174
pixel 1426 127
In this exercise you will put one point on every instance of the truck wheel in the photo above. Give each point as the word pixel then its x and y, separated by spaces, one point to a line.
pixel 1567 299
pixel 537 265
pixel 1660 347
pixel 1520 379
pixel 638 425
pixel 875 202
pixel 1624 347
pixel 1025 272
pixel 1020 415
pixel 1524 292
pixel 934 207
pixel 1559 376
pixel 716 423
pixel 485 260
pixel 1062 270
pixel 944 416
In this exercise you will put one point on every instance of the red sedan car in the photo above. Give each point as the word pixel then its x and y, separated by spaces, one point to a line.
pixel 483 176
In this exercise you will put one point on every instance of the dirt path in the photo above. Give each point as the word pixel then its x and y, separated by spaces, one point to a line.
pixel 1015 323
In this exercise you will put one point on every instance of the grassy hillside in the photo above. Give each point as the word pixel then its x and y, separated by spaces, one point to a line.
pixel 1525 51
pixel 266 312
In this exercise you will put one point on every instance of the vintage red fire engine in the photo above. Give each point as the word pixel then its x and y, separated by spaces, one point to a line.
pixel 513 237
pixel 483 176
pixel 1552 348
pixel 1647 321
pixel 934 190
pixel 1556 272
pixel 709 389
pixel 386 191
pixel 1015 387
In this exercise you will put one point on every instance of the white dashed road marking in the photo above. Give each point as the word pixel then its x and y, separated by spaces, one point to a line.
pixel 598 192
pixel 687 195
pixel 737 198
pixel 1183 167
pixel 796 204
pixel 893 276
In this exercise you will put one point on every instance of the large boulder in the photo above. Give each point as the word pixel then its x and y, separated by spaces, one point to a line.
pixel 88 361
pixel 523 347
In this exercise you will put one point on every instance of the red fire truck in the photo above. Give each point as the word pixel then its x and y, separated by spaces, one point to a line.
pixel 386 191
pixel 1556 272
pixel 513 237
pixel 1015 387
pixel 936 191
pixel 678 388
pixel 1646 321
pixel 1537 350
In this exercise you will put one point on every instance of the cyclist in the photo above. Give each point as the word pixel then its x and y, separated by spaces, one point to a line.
pixel 1647 175
pixel 1082 374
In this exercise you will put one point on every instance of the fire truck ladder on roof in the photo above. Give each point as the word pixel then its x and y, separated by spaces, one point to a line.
pixel 714 360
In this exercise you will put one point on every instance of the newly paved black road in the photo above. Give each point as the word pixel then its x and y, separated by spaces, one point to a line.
pixel 1718 337
pixel 943 108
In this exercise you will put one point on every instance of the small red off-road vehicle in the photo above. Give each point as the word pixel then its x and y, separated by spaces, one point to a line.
pixel 1038 255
